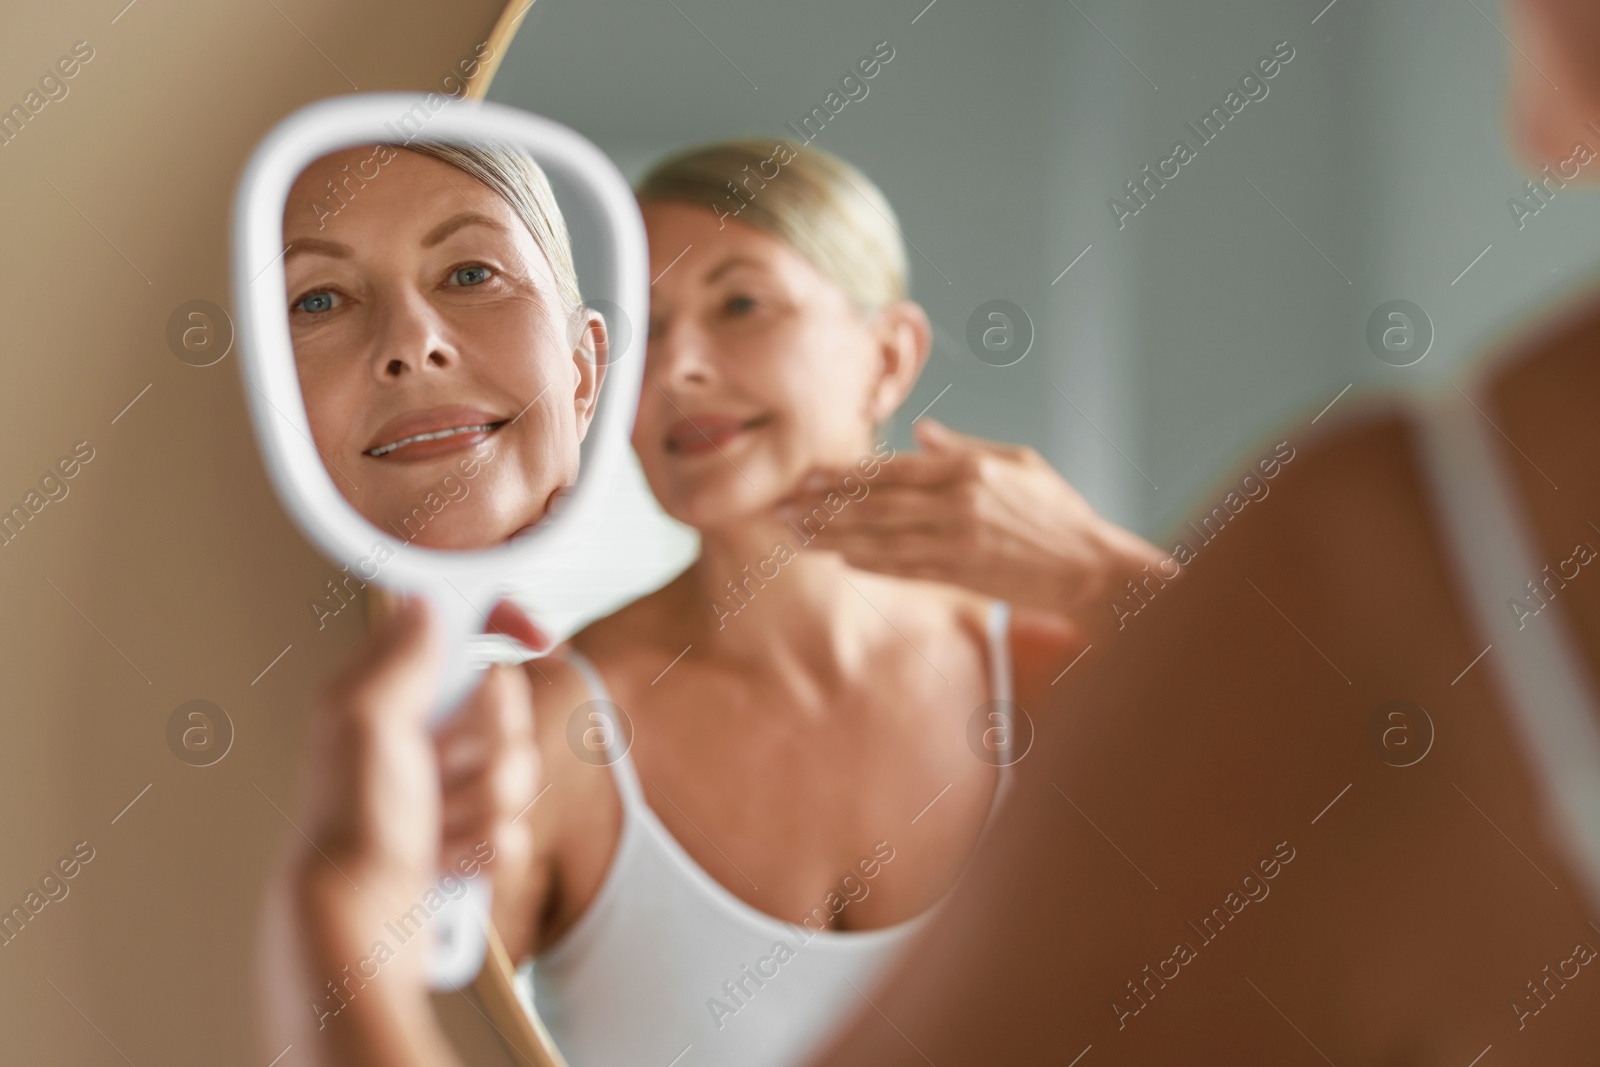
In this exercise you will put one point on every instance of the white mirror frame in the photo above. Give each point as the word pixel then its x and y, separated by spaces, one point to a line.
pixel 267 354
pixel 462 586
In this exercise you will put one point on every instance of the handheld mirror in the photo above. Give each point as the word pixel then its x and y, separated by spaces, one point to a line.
pixel 436 302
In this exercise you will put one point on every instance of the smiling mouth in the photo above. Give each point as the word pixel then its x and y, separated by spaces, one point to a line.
pixel 434 435
pixel 694 439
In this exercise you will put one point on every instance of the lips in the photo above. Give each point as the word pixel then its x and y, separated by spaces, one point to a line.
pixel 708 433
pixel 426 434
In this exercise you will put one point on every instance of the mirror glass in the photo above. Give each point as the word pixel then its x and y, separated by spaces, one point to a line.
pixel 449 366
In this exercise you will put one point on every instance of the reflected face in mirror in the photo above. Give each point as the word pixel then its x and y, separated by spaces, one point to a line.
pixel 448 368
pixel 758 367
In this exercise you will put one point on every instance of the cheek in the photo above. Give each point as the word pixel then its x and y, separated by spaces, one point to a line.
pixel 336 393
pixel 549 448
pixel 825 390
pixel 549 370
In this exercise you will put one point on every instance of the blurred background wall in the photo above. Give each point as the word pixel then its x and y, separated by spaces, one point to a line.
pixel 167 573
pixel 1374 169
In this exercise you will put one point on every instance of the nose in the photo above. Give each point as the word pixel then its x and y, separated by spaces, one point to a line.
pixel 411 338
pixel 679 355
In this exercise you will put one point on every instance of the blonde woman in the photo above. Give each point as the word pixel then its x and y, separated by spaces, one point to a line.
pixel 758 780
pixel 760 777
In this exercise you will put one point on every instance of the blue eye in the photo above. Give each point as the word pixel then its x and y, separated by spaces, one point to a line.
pixel 738 305
pixel 475 274
pixel 317 303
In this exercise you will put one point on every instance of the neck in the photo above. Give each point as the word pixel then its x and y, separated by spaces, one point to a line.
pixel 762 595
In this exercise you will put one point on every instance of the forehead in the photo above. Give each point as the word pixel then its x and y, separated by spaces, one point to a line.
pixel 351 192
pixel 696 243
pixel 382 210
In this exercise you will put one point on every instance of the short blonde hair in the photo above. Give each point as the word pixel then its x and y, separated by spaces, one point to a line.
pixel 513 173
pixel 815 202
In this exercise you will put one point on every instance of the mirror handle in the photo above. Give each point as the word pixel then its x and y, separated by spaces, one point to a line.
pixel 460 942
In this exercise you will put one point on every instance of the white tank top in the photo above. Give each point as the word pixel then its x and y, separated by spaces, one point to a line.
pixel 668 968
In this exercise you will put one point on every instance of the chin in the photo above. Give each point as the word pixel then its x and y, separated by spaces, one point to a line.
pixel 707 506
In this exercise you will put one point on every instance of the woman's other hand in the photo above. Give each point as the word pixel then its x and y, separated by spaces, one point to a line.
pixel 994 518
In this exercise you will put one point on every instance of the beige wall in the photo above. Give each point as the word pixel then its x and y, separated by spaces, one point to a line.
pixel 188 577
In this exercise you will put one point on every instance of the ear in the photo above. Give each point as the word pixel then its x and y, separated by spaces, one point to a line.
pixel 904 338
pixel 591 350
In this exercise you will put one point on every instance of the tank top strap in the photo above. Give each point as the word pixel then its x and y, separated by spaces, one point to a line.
pixel 997 626
pixel 607 732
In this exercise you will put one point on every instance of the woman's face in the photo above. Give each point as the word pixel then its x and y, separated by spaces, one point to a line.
pixel 758 368
pixel 446 388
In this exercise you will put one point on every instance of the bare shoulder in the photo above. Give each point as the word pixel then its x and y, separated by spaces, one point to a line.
pixel 1038 644
pixel 642 636
pixel 577 815
pixel 934 615
pixel 575 781
pixel 558 688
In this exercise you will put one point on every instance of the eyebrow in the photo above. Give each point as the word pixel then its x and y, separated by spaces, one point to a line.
pixel 317 246
pixel 729 264
pixel 456 222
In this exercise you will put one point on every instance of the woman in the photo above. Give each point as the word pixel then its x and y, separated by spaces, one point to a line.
pixel 763 776
pixel 1564 41
pixel 432 305
pixel 788 787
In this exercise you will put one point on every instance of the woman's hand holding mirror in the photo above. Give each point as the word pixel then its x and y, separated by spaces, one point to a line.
pixel 425 374
pixel 367 871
